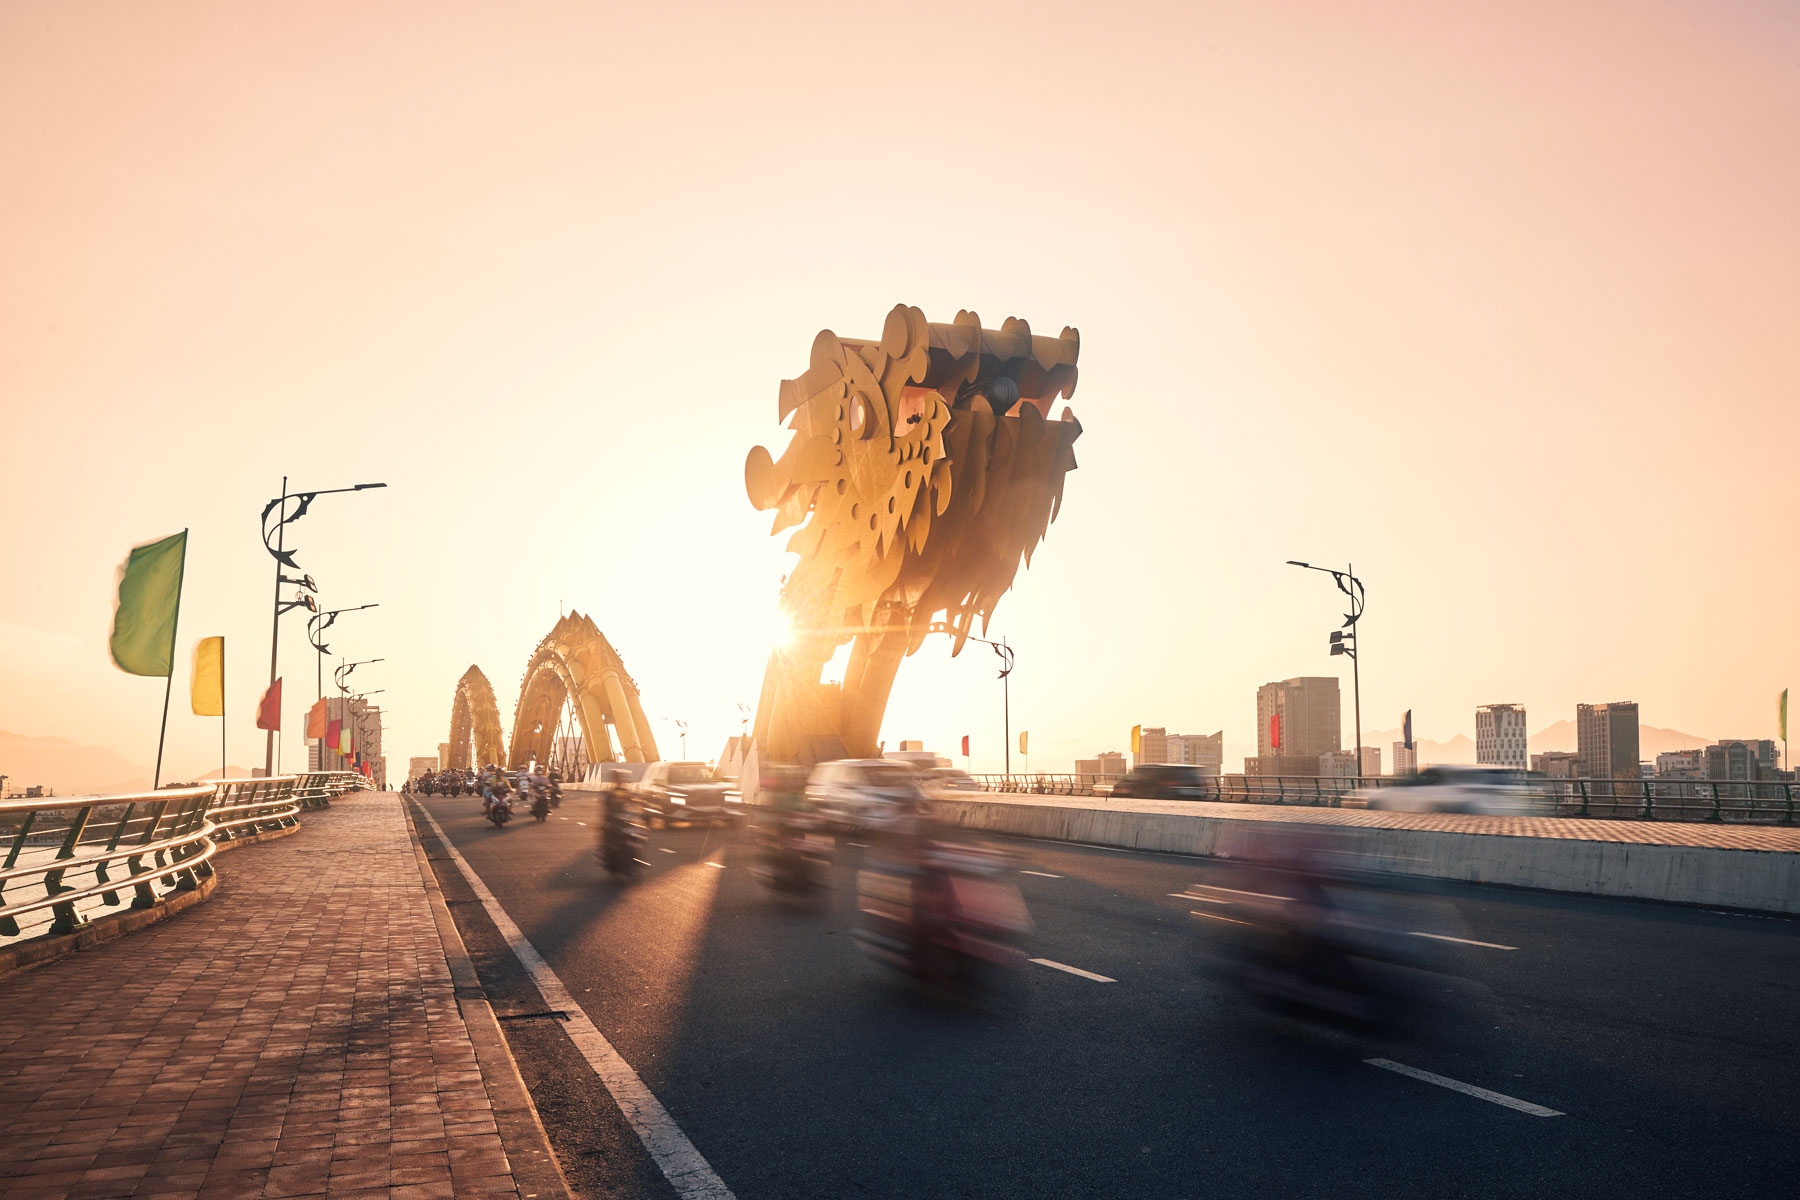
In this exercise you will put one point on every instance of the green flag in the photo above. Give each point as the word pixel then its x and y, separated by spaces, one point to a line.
pixel 143 634
pixel 1781 712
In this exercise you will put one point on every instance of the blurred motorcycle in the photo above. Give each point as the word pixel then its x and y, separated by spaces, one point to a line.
pixel 949 916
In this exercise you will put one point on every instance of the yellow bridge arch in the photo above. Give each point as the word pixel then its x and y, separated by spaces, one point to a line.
pixel 474 723
pixel 575 663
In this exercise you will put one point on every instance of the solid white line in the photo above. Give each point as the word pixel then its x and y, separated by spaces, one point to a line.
pixel 1044 962
pixel 1444 937
pixel 683 1166
pixel 1467 1089
pixel 1043 874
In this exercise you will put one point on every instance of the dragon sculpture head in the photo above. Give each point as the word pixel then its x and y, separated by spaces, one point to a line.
pixel 922 469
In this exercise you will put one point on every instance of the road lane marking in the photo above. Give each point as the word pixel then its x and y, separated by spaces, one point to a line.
pixel 1044 962
pixel 1042 874
pixel 1444 937
pixel 721 866
pixel 578 822
pixel 639 860
pixel 683 1166
pixel 1467 1089
pixel 864 844
pixel 665 850
pixel 1194 912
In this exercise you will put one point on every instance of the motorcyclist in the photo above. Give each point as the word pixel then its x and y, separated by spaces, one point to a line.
pixel 784 835
pixel 618 810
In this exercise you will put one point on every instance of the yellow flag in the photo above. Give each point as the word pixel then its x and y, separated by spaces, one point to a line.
pixel 1137 739
pixel 1023 738
pixel 208 688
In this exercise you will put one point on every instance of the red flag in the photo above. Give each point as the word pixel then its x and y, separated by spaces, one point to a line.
pixel 315 720
pixel 1274 731
pixel 331 734
pixel 965 745
pixel 268 711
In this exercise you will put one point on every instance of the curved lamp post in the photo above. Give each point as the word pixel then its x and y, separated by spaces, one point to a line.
pixel 1344 640
pixel 275 542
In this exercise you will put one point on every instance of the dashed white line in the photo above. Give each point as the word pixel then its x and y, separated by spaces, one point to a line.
pixel 1444 937
pixel 856 843
pixel 721 866
pixel 1194 912
pixel 639 860
pixel 1467 1089
pixel 682 1165
pixel 665 850
pixel 1044 962
pixel 581 822
pixel 1041 874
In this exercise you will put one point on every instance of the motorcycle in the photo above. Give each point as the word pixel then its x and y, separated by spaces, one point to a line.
pixel 622 842
pixel 499 810
pixel 949 918
pixel 793 858
pixel 540 802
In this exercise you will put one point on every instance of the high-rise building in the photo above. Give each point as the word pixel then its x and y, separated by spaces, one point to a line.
pixel 1153 746
pixel 1297 720
pixel 1337 764
pixel 1606 738
pixel 1203 750
pixel 1741 759
pixel 1406 762
pixel 1500 735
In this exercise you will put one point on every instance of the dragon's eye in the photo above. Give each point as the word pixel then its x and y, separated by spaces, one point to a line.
pixel 858 415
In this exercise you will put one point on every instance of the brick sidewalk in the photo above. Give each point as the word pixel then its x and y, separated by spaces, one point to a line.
pixel 296 1035
pixel 1651 833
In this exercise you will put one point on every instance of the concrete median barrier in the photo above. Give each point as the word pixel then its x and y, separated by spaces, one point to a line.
pixel 1713 876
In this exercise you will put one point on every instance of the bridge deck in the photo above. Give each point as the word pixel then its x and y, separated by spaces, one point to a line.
pixel 1653 833
pixel 297 1034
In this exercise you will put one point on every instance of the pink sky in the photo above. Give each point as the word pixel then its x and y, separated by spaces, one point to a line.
pixel 1497 301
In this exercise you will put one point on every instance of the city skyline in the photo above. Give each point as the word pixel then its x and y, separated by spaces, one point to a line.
pixel 1343 267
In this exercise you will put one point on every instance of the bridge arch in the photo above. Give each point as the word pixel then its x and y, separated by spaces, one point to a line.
pixel 576 665
pixel 475 723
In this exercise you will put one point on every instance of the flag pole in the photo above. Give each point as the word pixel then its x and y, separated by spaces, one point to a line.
pixel 162 734
pixel 223 709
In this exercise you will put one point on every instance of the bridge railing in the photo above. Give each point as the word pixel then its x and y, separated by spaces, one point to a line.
pixel 65 860
pixel 64 855
pixel 1765 802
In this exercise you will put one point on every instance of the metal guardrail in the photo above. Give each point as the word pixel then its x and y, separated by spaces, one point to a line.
pixel 1761 802
pixel 66 859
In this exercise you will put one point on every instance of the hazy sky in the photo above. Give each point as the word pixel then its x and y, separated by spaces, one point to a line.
pixel 1497 301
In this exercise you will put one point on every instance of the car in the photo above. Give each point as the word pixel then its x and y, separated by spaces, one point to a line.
pixel 1495 791
pixel 1162 781
pixel 939 782
pixel 861 793
pixel 683 793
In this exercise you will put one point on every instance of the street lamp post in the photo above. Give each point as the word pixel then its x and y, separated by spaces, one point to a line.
pixel 1005 654
pixel 343 672
pixel 284 558
pixel 1343 641
pixel 315 630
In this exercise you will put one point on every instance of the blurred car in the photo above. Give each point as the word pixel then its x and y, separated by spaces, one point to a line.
pixel 683 793
pixel 940 782
pixel 1495 791
pixel 1162 781
pixel 861 793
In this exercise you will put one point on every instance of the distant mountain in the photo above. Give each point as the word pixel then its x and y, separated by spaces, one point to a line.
pixel 67 768
pixel 1459 749
pixel 1652 741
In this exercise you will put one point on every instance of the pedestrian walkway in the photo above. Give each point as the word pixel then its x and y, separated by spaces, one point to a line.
pixel 1648 833
pixel 298 1034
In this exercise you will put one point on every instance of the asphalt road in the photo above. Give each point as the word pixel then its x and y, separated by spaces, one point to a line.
pixel 1665 1036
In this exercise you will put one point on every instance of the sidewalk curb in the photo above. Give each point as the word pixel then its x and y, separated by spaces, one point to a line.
pixel 533 1162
